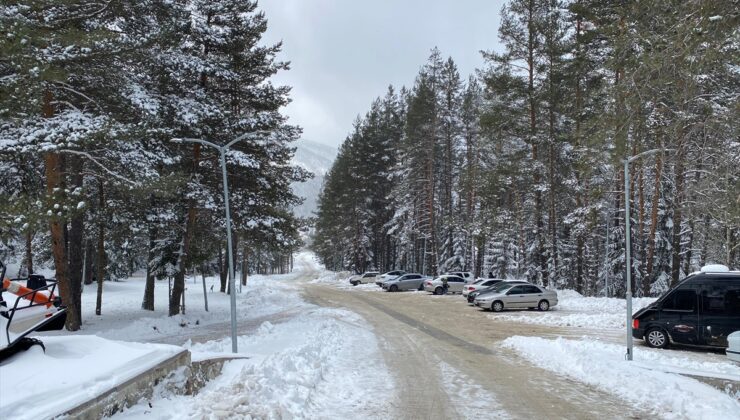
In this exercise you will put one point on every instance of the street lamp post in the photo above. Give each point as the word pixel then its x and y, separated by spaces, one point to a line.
pixel 232 289
pixel 627 243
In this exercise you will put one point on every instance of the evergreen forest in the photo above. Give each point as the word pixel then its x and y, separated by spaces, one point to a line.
pixel 94 96
pixel 517 170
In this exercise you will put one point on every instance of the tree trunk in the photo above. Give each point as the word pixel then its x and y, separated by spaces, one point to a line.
pixel 677 213
pixel 222 270
pixel 641 230
pixel 148 302
pixel 552 215
pixel 89 250
pixel 29 251
pixel 654 217
pixel 245 266
pixel 100 261
pixel 178 284
pixel 53 171
pixel 76 237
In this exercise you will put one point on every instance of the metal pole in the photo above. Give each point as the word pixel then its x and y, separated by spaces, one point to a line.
pixel 232 288
pixel 628 257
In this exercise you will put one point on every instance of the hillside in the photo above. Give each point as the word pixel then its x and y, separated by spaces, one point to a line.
pixel 316 158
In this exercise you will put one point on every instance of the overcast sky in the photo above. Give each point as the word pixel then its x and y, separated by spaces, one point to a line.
pixel 344 53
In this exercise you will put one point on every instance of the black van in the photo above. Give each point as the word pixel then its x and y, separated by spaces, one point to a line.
pixel 702 310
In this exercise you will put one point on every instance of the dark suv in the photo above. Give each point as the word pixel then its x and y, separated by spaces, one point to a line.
pixel 702 310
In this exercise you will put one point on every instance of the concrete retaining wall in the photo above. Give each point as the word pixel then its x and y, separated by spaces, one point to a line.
pixel 176 375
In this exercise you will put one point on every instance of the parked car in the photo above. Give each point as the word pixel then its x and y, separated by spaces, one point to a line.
pixel 467 275
pixel 364 278
pixel 733 348
pixel 498 286
pixel 702 310
pixel 412 281
pixel 389 276
pixel 455 284
pixel 517 296
pixel 479 285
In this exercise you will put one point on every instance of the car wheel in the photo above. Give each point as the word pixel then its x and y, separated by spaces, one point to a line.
pixel 656 338
pixel 543 305
pixel 421 287
pixel 497 306
pixel 438 291
pixel 393 288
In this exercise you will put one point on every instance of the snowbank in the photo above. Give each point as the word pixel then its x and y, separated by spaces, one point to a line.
pixel 324 364
pixel 74 369
pixel 603 366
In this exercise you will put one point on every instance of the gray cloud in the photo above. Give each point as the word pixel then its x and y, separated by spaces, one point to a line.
pixel 345 53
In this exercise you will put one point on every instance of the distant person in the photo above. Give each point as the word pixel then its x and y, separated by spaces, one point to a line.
pixel 444 285
pixel 490 274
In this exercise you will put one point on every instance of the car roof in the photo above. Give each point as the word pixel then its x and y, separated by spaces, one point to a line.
pixel 698 277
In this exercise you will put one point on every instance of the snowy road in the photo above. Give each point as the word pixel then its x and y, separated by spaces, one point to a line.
pixel 429 351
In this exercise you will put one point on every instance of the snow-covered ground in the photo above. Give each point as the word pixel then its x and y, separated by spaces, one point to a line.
pixel 575 310
pixel 648 382
pixel 37 384
pixel 301 360
pixel 305 367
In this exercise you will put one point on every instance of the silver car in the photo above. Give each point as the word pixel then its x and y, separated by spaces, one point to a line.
pixel 412 281
pixel 454 284
pixel 518 296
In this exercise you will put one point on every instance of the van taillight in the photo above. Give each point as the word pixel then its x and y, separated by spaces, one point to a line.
pixel 635 323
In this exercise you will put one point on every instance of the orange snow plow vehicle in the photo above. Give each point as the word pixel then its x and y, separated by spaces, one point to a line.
pixel 25 309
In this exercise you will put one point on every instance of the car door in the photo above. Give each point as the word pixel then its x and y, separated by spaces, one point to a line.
pixel 515 297
pixel 409 282
pixel 719 311
pixel 455 284
pixel 679 315
pixel 532 296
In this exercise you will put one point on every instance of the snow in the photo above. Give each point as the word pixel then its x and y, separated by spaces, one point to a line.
pixel 300 360
pixel 73 370
pixel 602 365
pixel 306 367
pixel 302 366
pixel 575 310
pixel 715 268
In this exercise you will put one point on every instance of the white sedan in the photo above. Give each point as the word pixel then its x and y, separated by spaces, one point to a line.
pixel 455 284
